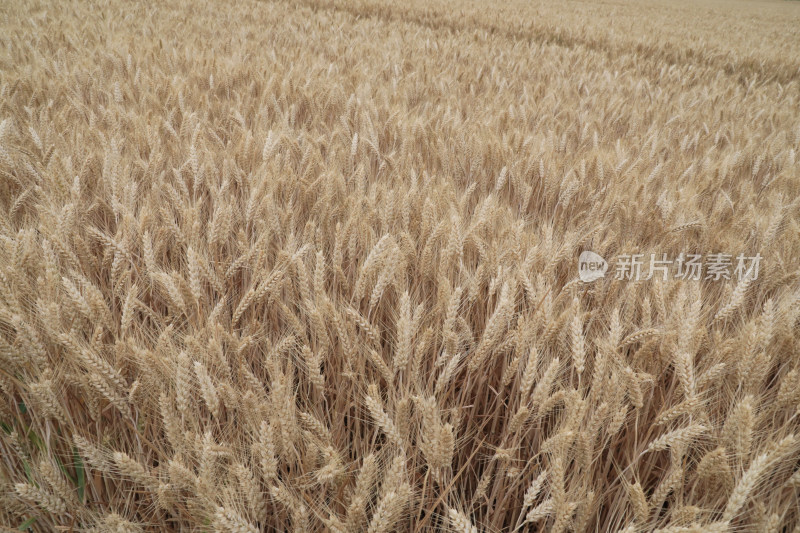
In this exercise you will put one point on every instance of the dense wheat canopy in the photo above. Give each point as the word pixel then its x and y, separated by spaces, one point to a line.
pixel 313 266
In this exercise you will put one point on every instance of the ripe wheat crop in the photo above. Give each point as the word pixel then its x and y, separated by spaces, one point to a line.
pixel 313 266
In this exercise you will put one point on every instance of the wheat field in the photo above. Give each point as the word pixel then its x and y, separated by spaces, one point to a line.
pixel 314 266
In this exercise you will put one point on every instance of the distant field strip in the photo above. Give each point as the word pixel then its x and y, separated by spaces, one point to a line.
pixel 525 21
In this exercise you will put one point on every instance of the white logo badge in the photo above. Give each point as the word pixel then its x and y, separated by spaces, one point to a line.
pixel 591 266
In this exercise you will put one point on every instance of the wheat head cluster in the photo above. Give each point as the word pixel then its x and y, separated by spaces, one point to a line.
pixel 312 266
